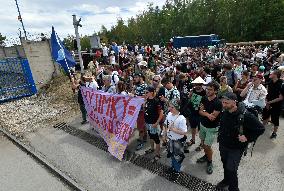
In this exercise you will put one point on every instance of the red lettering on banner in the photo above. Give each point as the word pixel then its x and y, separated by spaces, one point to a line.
pixel 125 103
pixel 107 101
pixel 118 126
pixel 131 110
pixel 110 126
pixel 111 109
pixel 89 96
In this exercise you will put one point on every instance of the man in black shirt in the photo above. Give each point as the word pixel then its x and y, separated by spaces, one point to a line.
pixel 273 101
pixel 209 111
pixel 235 133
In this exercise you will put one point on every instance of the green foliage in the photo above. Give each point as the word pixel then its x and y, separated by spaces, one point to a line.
pixel 2 39
pixel 69 42
pixel 234 20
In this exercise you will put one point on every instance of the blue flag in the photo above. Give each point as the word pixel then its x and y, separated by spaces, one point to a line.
pixel 60 54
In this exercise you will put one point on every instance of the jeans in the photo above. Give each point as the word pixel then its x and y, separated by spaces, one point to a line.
pixel 231 159
pixel 175 164
pixel 83 111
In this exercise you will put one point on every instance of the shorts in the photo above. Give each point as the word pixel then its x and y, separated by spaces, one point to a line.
pixel 194 120
pixel 274 113
pixel 207 134
pixel 141 122
pixel 154 137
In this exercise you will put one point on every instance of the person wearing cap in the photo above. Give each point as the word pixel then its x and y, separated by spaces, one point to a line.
pixel 139 91
pixel 175 130
pixel 255 94
pixel 209 110
pixel 194 98
pixel 153 116
pixel 234 137
pixel 273 101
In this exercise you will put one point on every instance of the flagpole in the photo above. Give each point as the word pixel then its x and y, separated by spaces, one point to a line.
pixel 76 25
pixel 21 20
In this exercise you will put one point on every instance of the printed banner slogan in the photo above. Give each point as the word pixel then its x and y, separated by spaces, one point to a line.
pixel 113 116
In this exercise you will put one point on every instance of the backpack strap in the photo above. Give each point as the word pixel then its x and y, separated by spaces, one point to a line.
pixel 241 122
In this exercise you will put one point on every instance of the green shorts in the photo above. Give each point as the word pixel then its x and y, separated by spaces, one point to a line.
pixel 207 134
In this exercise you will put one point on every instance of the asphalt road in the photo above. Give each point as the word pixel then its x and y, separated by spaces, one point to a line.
pixel 19 172
pixel 98 170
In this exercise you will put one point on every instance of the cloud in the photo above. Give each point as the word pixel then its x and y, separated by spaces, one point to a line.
pixel 40 15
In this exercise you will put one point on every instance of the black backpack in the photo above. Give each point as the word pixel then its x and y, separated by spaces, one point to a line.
pixel 241 131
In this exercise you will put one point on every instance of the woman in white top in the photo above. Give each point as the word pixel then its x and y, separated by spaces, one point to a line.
pixel 176 129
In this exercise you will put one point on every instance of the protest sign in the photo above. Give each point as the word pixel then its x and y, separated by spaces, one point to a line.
pixel 113 116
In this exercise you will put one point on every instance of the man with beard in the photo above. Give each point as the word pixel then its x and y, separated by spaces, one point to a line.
pixel 238 127
pixel 209 111
pixel 195 97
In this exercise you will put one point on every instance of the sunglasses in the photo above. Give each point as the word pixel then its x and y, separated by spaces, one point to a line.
pixel 156 80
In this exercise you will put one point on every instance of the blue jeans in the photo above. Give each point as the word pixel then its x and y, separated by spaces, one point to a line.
pixel 175 164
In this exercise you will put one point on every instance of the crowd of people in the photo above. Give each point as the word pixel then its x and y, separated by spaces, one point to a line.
pixel 229 93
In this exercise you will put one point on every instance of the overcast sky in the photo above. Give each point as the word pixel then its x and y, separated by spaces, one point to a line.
pixel 40 15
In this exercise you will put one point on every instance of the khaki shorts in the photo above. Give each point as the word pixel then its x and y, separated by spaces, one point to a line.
pixel 208 134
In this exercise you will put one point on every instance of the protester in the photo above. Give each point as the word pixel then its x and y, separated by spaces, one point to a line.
pixel 175 130
pixel 241 84
pixel 195 96
pixel 255 94
pixel 233 138
pixel 82 83
pixel 108 87
pixel 209 111
pixel 140 90
pixel 153 117
pixel 224 87
pixel 273 101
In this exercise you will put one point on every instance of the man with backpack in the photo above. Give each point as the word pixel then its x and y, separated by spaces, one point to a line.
pixel 238 127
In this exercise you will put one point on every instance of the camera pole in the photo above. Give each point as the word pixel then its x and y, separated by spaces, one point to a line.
pixel 77 24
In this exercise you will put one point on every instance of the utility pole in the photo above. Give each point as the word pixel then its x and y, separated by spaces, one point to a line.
pixel 21 20
pixel 77 24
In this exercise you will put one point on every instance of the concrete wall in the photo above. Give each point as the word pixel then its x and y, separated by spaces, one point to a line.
pixel 42 66
pixel 13 51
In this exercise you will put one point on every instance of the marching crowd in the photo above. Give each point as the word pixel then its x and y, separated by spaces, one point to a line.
pixel 229 93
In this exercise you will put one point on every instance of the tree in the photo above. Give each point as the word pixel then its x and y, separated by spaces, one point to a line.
pixel 2 40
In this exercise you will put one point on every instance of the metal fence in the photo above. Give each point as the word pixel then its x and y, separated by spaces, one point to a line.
pixel 16 79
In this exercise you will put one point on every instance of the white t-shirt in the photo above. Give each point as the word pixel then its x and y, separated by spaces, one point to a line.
pixel 114 78
pixel 105 51
pixel 178 121
pixel 93 84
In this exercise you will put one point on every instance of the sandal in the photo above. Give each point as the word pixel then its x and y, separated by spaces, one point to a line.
pixel 190 143
pixel 149 151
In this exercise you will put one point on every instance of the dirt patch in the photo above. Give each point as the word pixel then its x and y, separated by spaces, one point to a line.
pixel 54 103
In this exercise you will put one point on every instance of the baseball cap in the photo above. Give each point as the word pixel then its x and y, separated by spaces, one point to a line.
pixel 230 96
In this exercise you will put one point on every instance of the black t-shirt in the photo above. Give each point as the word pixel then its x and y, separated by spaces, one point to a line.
pixel 210 106
pixel 152 109
pixel 274 90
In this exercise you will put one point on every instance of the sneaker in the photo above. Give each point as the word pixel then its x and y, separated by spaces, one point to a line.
pixel 221 185
pixel 202 159
pixel 273 135
pixel 139 146
pixel 169 170
pixel 174 176
pixel 209 168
